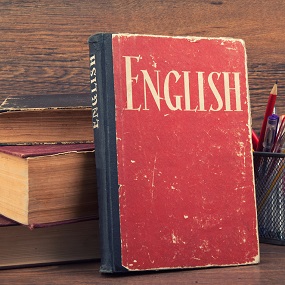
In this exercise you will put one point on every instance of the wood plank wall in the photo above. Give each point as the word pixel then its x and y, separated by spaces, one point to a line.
pixel 44 43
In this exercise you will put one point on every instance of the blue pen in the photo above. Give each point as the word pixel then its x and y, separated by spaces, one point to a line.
pixel 270 133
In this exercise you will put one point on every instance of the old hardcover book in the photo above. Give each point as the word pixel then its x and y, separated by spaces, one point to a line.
pixel 46 119
pixel 47 183
pixel 172 127
pixel 21 246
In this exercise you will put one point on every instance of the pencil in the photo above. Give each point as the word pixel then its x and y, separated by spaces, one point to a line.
pixel 268 112
pixel 255 140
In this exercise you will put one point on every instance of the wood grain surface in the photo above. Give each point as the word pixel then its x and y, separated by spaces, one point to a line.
pixel 269 271
pixel 44 43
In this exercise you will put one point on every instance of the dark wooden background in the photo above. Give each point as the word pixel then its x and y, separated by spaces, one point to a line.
pixel 43 50
pixel 44 43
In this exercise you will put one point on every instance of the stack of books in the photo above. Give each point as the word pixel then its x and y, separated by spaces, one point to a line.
pixel 48 199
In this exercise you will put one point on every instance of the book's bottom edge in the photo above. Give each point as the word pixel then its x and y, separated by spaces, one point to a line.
pixel 122 270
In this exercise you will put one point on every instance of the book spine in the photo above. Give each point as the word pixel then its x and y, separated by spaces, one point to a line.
pixel 103 115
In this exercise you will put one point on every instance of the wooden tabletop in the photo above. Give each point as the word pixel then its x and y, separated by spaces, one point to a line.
pixel 271 270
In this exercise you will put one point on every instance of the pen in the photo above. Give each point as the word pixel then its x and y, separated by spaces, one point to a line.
pixel 280 137
pixel 268 112
pixel 270 133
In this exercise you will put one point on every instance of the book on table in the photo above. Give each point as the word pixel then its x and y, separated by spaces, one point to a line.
pixel 172 126
pixel 48 183
pixel 67 241
pixel 34 119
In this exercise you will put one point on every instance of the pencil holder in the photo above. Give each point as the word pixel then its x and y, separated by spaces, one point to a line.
pixel 269 171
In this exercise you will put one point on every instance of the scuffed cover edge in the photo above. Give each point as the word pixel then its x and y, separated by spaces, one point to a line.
pixel 103 114
pixel 257 258
pixel 45 102
pixel 26 151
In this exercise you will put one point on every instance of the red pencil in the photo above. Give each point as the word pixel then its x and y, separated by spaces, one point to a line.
pixel 255 140
pixel 268 112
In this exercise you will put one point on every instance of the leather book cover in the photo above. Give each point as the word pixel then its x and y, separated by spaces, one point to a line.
pixel 172 126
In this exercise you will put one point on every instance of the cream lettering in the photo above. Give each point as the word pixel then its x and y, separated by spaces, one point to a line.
pixel 166 92
pixel 187 91
pixel 199 91
pixel 215 91
pixel 129 81
pixel 154 92
pixel 228 89
pixel 94 92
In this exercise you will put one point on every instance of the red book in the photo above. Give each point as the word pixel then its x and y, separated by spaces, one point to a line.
pixel 173 152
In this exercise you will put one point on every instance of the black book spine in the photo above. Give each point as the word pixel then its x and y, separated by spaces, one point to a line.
pixel 103 114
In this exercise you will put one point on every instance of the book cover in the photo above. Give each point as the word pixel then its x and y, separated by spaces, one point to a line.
pixel 38 119
pixel 172 127
pixel 48 183
pixel 67 241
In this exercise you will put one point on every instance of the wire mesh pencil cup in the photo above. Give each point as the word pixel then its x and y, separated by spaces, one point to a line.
pixel 269 169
